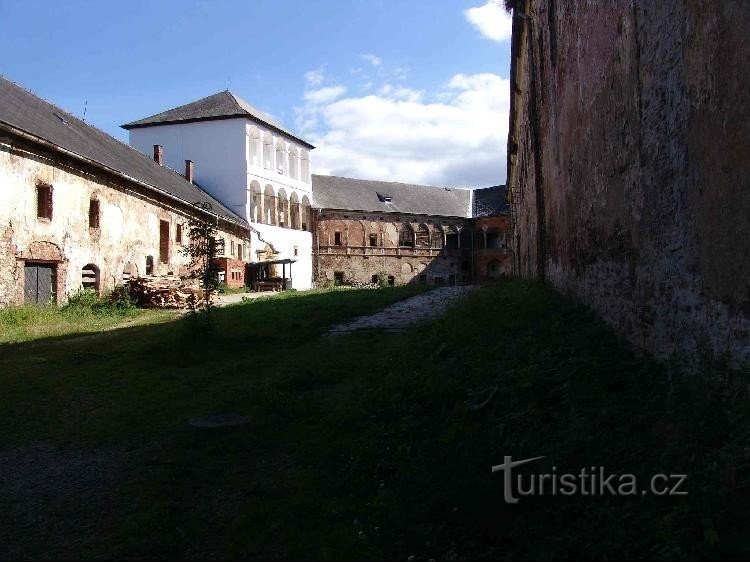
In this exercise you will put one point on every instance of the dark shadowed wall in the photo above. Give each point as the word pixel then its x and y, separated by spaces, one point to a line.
pixel 629 166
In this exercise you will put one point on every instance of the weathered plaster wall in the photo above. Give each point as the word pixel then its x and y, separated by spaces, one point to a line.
pixel 630 174
pixel 128 232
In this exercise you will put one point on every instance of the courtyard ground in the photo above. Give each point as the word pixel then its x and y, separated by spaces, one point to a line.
pixel 369 444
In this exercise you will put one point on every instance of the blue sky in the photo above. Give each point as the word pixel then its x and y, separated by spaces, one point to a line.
pixel 387 89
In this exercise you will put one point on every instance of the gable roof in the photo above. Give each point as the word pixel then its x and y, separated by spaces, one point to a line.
pixel 490 201
pixel 223 105
pixel 334 192
pixel 23 111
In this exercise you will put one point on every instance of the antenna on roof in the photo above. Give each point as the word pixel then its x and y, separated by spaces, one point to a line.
pixel 85 107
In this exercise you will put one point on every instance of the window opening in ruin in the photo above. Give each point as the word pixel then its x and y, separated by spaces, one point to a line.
pixel 44 201
pixel 93 213
pixel 164 241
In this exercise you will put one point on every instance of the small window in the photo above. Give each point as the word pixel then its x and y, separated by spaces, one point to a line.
pixel 337 238
pixel 164 241
pixel 373 240
pixel 232 248
pixel 178 234
pixel 90 278
pixel 338 277
pixel 296 250
pixel 44 201
pixel 374 279
pixel 391 280
pixel 149 265
pixel 239 251
pixel 94 213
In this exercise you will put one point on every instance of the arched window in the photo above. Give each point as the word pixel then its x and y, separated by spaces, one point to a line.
pixel 423 236
pixel 267 151
pixel 293 162
pixel 405 235
pixel 254 146
pixel 269 206
pixel 294 211
pixel 451 238
pixel 281 158
pixel 283 208
pixel 306 214
pixel 256 202
pixel 305 166
pixel 90 278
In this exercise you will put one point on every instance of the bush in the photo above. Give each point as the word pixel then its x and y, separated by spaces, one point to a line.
pixel 87 301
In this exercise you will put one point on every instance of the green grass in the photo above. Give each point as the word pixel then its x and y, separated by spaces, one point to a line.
pixel 27 323
pixel 362 445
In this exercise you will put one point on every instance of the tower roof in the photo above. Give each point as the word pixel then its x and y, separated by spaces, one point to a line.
pixel 222 105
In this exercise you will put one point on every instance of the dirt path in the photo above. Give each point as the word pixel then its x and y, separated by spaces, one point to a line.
pixel 399 316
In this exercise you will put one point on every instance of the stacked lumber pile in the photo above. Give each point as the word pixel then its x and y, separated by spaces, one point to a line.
pixel 164 292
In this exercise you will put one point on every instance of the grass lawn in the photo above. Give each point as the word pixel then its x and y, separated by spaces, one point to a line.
pixel 362 445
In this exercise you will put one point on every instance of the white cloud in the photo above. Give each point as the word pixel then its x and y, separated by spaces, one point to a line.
pixel 314 77
pixel 373 60
pixel 492 20
pixel 453 136
pixel 324 95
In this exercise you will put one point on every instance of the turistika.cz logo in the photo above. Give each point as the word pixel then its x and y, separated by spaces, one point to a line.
pixel 590 481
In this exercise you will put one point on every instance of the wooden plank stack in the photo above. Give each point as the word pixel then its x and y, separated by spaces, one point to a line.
pixel 164 291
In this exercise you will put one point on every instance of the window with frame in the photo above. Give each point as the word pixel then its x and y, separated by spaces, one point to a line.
pixel 178 234
pixel 239 251
pixel 373 240
pixel 94 213
pixel 337 238
pixel 44 201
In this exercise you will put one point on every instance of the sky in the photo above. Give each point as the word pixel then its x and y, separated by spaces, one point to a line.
pixel 396 90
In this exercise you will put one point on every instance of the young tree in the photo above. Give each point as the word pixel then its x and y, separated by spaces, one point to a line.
pixel 203 248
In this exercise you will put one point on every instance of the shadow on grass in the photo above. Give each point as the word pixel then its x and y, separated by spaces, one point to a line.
pixel 363 446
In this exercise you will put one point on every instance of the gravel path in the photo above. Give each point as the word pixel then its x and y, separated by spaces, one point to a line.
pixel 399 316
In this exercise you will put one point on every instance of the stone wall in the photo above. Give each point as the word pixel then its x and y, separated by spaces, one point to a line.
pixel 128 230
pixel 442 251
pixel 431 259
pixel 628 166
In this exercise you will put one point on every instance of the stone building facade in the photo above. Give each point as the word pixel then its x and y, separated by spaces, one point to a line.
pixel 80 209
pixel 628 166
pixel 367 231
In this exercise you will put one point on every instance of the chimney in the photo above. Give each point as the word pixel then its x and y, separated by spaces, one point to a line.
pixel 159 154
pixel 189 170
